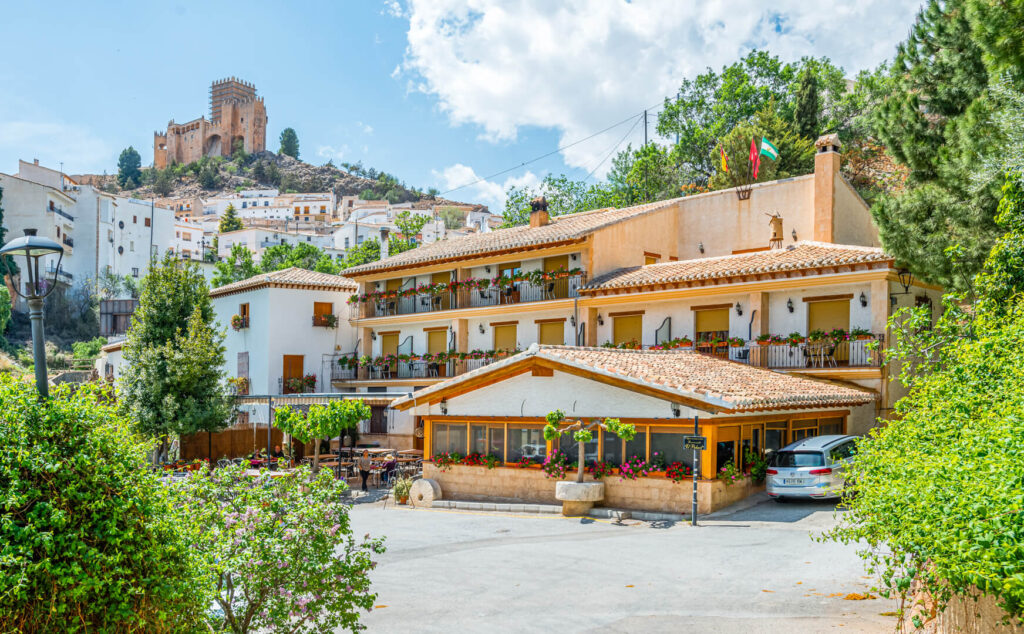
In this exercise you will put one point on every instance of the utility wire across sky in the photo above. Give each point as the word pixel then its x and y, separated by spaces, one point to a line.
pixel 555 151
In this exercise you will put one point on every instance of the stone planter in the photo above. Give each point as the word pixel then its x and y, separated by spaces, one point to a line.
pixel 578 497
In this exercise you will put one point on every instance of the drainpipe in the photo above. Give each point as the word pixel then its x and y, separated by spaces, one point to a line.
pixel 750 325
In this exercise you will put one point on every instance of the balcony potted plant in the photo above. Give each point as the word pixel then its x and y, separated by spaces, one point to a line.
pixel 237 323
pixel 736 342
pixel 861 334
pixel 838 334
pixel 795 339
pixel 776 340
pixel 763 340
pixel 816 336
pixel 717 342
pixel 682 342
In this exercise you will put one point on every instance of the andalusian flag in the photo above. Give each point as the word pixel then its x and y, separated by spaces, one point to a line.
pixel 769 150
pixel 725 164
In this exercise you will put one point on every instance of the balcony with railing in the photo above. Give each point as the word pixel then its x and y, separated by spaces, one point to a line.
pixel 344 369
pixel 407 302
pixel 865 352
pixel 61 212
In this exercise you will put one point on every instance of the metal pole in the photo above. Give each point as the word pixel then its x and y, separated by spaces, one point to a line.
pixel 35 314
pixel 696 472
pixel 270 421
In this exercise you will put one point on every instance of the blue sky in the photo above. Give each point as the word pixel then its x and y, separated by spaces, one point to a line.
pixel 438 92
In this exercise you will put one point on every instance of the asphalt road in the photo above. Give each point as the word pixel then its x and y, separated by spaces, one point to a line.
pixel 752 570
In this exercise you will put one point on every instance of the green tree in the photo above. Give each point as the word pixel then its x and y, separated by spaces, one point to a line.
pixel 936 119
pixel 209 176
pixel 7 265
pixel 1001 281
pixel 583 433
pixel 368 251
pixel 409 226
pixel 163 184
pixel 129 174
pixel 453 217
pixel 169 385
pixel 238 153
pixel 5 310
pixel 259 172
pixel 236 267
pixel 302 255
pixel 230 220
pixel 92 542
pixel 564 196
pixel 805 114
pixel 796 153
pixel 322 422
pixel 289 143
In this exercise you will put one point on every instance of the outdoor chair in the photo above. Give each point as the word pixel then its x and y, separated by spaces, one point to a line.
pixel 223 462
pixel 506 295
pixel 436 302
pixel 433 369
pixel 549 291
pixel 390 307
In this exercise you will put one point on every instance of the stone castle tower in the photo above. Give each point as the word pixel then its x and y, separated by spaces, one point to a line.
pixel 236 114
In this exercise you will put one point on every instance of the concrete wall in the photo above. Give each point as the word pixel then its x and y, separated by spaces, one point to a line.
pixel 852 219
pixel 623 244
pixel 531 485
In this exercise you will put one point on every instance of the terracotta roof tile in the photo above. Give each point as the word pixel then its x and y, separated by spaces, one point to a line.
pixel 561 229
pixel 290 276
pixel 799 256
pixel 726 385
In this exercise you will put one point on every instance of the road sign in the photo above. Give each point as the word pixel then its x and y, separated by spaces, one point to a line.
pixel 697 443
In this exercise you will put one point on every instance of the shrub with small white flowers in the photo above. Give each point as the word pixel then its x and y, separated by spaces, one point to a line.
pixel 279 551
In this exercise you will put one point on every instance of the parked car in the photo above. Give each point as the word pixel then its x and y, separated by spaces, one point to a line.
pixel 812 467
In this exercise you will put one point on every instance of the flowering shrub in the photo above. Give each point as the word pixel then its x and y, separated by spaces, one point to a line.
pixel 600 470
pixel 634 468
pixel 491 461
pixel 279 551
pixel 757 465
pixel 502 282
pixel 729 473
pixel 657 461
pixel 237 322
pixel 556 464
pixel 301 384
pixel 525 462
pixel 678 471
pixel 445 460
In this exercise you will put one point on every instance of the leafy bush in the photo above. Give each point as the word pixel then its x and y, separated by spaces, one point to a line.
pixel 88 349
pixel 278 551
pixel 90 541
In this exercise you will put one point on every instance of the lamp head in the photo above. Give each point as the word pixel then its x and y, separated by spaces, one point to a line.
pixel 34 248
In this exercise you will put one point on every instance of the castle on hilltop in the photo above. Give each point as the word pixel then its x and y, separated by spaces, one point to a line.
pixel 236 114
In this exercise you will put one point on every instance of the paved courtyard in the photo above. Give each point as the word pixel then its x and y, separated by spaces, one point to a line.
pixel 750 570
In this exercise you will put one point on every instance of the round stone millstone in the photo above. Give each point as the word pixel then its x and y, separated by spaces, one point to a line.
pixel 579 491
pixel 424 492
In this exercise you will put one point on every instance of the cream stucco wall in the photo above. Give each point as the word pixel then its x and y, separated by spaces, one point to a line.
pixel 623 244
pixel 852 222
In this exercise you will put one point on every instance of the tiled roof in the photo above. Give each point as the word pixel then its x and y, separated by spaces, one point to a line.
pixel 288 277
pixel 796 257
pixel 561 229
pixel 723 385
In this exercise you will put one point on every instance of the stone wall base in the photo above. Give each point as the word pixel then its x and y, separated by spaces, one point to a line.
pixel 531 486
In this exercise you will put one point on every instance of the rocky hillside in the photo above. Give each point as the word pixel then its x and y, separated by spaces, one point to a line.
pixel 263 169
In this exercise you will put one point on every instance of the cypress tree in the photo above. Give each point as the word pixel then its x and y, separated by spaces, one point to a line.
pixel 805 116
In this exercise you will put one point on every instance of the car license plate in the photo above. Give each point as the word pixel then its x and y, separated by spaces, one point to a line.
pixel 793 481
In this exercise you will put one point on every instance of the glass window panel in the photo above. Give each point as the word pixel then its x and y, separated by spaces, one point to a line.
pixel 478 439
pixel 638 446
pixel 756 439
pixel 526 441
pixel 572 449
pixel 496 445
pixel 726 453
pixel 669 446
pixel 457 438
pixel 440 441
pixel 612 448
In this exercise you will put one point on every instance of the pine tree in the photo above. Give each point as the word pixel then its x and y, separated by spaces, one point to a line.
pixel 805 115
pixel 936 120
pixel 230 220
pixel 163 183
pixel 129 172
pixel 174 381
pixel 289 143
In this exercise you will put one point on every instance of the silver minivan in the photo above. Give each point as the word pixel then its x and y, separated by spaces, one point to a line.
pixel 812 467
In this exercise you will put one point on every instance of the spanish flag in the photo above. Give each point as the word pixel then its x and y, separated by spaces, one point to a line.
pixel 725 164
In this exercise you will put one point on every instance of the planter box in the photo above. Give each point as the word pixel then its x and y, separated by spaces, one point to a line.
pixel 657 494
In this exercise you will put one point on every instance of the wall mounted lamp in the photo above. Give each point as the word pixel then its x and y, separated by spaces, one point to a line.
pixel 572 320
pixel 863 299
pixel 739 309
pixel 906 279
pixel 481 327
pixel 700 247
pixel 444 407
pixel 373 336
pixel 487 269
pixel 794 235
pixel 789 304
pixel 676 411
pixel 573 257
pixel 600 320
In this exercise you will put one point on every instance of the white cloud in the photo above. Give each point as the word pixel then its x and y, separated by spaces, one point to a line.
pixel 582 65
pixel 332 153
pixel 52 143
pixel 490 193
pixel 365 128
pixel 393 8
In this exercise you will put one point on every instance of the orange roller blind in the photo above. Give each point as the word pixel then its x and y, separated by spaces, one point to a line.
pixel 828 315
pixel 389 344
pixel 437 341
pixel 556 262
pixel 628 328
pixel 712 320
pixel 505 337
pixel 552 334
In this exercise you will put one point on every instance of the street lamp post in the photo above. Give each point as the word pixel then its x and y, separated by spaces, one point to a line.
pixel 34 249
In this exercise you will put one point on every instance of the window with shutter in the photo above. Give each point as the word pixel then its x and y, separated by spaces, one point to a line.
pixel 243 365
pixel 505 337
pixel 628 328
pixel 552 333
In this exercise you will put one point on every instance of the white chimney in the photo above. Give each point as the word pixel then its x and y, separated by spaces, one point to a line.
pixel 384 242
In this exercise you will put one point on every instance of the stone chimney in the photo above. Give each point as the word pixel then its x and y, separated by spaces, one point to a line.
pixel 384 231
pixel 539 212
pixel 826 170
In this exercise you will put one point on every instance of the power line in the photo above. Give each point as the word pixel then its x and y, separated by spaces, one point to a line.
pixel 615 147
pixel 543 156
